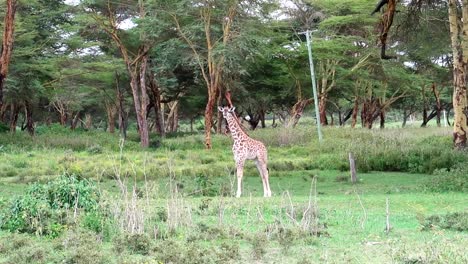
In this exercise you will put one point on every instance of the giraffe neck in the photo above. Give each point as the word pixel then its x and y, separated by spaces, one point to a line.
pixel 236 131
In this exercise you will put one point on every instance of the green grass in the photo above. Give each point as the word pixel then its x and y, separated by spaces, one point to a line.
pixel 216 228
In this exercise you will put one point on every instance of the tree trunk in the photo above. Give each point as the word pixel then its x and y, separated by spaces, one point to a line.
pixel 355 113
pixel 262 118
pixel 460 62
pixel 75 120
pixel 122 116
pixel 209 119
pixel 88 121
pixel 423 91
pixel 29 118
pixel 156 98
pixel 60 107
pixel 323 110
pixel 111 112
pixel 425 119
pixel 385 25
pixel 340 118
pixel 370 111
pixel 3 111
pixel 140 96
pixel 14 110
pixel 172 123
pixel 7 43
pixel 297 110
pixel 438 107
pixel 382 119
pixel 219 123
pixel 191 124
pixel 405 117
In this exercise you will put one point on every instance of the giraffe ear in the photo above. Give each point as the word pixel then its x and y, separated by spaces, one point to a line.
pixel 220 108
pixel 232 109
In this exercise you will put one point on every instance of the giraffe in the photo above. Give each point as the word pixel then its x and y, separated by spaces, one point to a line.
pixel 246 148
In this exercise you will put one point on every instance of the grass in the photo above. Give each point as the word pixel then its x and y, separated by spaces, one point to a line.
pixel 208 225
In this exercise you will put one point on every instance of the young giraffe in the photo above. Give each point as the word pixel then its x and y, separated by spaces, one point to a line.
pixel 245 148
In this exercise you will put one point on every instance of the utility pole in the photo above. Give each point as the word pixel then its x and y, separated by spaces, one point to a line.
pixel 314 84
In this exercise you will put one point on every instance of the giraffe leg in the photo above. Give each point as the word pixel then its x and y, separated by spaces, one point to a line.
pixel 266 176
pixel 262 175
pixel 240 174
pixel 266 180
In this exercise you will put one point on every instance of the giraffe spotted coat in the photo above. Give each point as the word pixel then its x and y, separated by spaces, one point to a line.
pixel 245 148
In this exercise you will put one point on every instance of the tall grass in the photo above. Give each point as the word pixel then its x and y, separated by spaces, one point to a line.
pixel 88 153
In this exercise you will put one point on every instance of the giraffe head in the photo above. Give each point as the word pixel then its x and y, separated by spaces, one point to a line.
pixel 226 111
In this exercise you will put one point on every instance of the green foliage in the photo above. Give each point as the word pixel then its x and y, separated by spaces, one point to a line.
pixel 259 244
pixel 138 243
pixel 457 221
pixel 53 129
pixel 205 186
pixel 82 246
pixel 4 128
pixel 453 180
pixel 44 208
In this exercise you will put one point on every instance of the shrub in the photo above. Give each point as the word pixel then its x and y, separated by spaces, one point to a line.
pixel 81 246
pixel 259 244
pixel 4 128
pixel 94 149
pixel 54 129
pixel 457 221
pixel 138 243
pixel 455 180
pixel 43 209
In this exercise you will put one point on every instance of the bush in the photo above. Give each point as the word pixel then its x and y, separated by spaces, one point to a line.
pixel 54 129
pixel 43 209
pixel 454 221
pixel 4 128
pixel 455 180
pixel 81 246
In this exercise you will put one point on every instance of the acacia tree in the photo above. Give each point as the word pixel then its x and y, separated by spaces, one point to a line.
pixel 459 36
pixel 458 19
pixel 211 29
pixel 108 16
pixel 210 56
pixel 7 44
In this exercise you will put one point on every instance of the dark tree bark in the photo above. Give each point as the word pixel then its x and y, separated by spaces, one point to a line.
pixel 382 119
pixel 7 43
pixel 29 118
pixel 262 118
pixel 425 106
pixel 14 111
pixel 297 110
pixel 346 116
pixel 385 25
pixel 3 111
pixel 219 122
pixel 438 106
pixel 355 113
pixel 405 117
pixel 323 110
pixel 75 120
pixel 156 100
pixel 121 108
pixel 111 112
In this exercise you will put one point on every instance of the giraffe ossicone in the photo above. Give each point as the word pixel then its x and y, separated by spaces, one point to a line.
pixel 246 148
